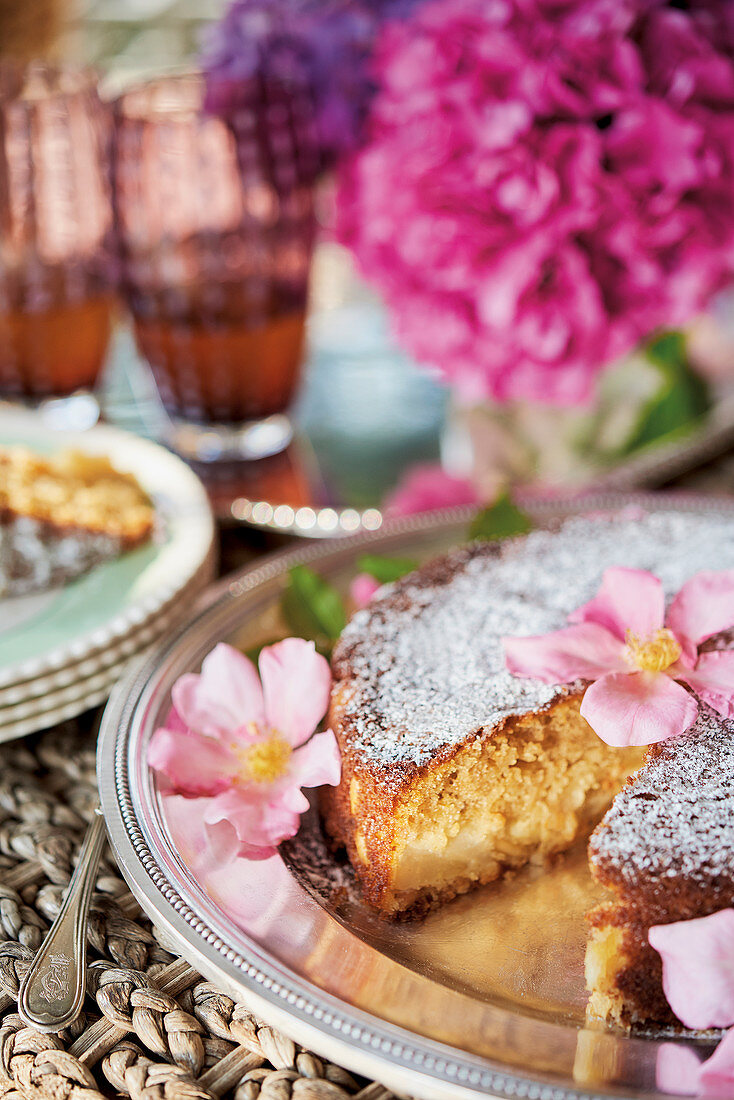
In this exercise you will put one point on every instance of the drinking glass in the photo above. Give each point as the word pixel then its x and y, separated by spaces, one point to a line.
pixel 214 228
pixel 55 217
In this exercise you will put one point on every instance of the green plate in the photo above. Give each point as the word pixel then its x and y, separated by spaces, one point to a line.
pixel 45 632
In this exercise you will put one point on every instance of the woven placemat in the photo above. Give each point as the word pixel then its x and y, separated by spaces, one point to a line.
pixel 152 1028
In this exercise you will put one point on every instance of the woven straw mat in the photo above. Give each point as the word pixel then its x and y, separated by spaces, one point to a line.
pixel 152 1028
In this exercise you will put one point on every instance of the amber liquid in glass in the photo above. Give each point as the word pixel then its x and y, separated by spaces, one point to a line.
pixel 54 351
pixel 225 369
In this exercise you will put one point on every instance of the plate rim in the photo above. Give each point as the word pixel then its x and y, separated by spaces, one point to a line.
pixel 378 1047
pixel 140 612
pixel 118 652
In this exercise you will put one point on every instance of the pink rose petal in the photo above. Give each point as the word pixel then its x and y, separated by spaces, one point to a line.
pixel 259 825
pixel 226 696
pixel 193 764
pixel 580 652
pixel 318 762
pixel 296 684
pixel 716 1075
pixel 698 968
pixel 713 680
pixel 252 896
pixel 637 708
pixel 628 600
pixel 676 1069
pixel 703 607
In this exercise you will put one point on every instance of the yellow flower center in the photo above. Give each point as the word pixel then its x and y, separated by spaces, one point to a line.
pixel 653 654
pixel 267 760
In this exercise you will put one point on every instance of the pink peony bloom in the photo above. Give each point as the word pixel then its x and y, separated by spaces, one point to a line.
pixel 698 968
pixel 247 745
pixel 363 588
pixel 427 488
pixel 637 657
pixel 544 185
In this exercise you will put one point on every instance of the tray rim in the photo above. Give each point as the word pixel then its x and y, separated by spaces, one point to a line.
pixel 378 1048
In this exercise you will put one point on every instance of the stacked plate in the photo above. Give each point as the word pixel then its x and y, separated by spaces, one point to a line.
pixel 61 651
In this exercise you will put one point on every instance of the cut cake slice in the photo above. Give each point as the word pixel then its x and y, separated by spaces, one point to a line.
pixel 62 515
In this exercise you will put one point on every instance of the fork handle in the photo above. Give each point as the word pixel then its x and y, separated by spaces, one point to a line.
pixel 52 992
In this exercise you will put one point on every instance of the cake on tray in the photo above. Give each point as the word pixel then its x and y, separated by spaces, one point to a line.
pixel 62 515
pixel 455 771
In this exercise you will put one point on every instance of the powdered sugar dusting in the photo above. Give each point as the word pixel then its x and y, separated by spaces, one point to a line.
pixel 682 803
pixel 426 661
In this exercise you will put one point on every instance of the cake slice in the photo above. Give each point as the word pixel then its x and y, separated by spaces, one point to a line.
pixel 665 850
pixel 453 769
pixel 61 516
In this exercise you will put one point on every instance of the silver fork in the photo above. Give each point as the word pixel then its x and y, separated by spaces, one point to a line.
pixel 52 992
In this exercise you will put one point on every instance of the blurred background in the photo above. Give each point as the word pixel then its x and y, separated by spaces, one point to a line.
pixel 126 37
pixel 322 344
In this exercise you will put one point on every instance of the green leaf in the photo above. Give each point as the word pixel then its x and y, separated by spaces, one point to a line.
pixel 682 400
pixel 386 570
pixel 312 607
pixel 501 520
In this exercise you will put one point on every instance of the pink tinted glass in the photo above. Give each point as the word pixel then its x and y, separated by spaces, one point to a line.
pixel 55 218
pixel 215 227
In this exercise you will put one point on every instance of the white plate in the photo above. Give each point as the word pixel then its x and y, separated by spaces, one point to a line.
pixel 43 633
pixel 26 690
pixel 73 699
pixel 75 693
pixel 24 726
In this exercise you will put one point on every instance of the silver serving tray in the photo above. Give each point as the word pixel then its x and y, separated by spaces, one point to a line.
pixel 483 998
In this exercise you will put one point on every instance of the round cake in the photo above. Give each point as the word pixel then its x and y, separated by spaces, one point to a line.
pixel 455 770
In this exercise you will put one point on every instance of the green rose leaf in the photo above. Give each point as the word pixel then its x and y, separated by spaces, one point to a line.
pixel 682 400
pixel 312 608
pixel 386 570
pixel 500 520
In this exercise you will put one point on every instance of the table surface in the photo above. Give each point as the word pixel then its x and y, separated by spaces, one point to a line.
pixel 152 1028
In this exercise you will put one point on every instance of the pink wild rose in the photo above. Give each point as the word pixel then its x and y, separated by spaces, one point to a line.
pixel 247 744
pixel 637 657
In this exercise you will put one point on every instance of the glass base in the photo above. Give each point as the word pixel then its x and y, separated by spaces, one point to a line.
pixel 226 442
pixel 76 412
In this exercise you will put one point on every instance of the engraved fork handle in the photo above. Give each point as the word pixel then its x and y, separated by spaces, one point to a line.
pixel 52 992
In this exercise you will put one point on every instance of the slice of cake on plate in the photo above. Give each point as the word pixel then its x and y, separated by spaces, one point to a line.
pixel 60 516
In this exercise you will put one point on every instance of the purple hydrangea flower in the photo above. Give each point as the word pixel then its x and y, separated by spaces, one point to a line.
pixel 318 50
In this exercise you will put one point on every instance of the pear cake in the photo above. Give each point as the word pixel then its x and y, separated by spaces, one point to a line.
pixel 454 771
pixel 60 516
